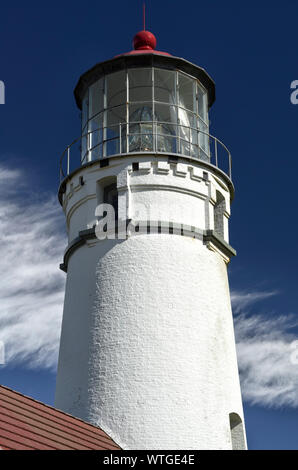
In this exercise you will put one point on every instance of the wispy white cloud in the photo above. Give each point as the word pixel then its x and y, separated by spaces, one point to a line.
pixel 32 242
pixel 242 299
pixel 267 372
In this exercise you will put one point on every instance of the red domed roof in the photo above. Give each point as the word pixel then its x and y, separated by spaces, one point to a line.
pixel 144 42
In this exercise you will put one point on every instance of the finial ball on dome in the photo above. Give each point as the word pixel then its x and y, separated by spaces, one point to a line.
pixel 144 40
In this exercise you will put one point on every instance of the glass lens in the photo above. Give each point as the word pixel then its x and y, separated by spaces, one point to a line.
pixel 141 137
pixel 140 112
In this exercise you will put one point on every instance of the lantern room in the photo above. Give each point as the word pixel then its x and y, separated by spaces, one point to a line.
pixel 145 109
pixel 146 101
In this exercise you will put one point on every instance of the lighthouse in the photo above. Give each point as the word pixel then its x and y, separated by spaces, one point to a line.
pixel 147 349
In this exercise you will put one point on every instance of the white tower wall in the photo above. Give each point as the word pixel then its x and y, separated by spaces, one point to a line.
pixel 147 348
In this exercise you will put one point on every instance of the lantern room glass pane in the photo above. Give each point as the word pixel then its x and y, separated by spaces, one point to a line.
pixel 164 86
pixel 187 97
pixel 113 147
pixel 116 89
pixel 140 84
pixel 165 128
pixel 96 98
pixel 96 152
pixel 184 132
pixel 194 151
pixel 165 113
pixel 202 103
pixel 140 127
pixel 140 112
pixel 116 115
pixel 194 135
pixel 85 111
pixel 184 147
pixel 203 140
pixel 115 118
pixel 84 149
pixel 186 119
pixel 141 137
pixel 165 143
pixel 95 129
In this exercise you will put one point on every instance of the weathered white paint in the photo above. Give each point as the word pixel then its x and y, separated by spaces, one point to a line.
pixel 147 347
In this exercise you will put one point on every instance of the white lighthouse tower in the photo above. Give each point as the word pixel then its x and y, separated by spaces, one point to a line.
pixel 147 347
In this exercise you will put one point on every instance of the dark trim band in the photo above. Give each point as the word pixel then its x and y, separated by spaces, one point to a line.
pixel 153 227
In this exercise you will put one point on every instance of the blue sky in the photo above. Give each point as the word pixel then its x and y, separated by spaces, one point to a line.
pixel 250 50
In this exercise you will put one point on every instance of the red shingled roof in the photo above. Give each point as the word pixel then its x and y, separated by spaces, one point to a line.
pixel 27 424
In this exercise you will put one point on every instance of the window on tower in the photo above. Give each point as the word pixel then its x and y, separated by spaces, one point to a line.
pixel 237 432
pixel 107 194
pixel 110 196
pixel 219 209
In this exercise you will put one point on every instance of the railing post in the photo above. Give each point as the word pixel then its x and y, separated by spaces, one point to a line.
pixel 230 166
pixel 216 158
pixel 68 160
pixel 88 146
